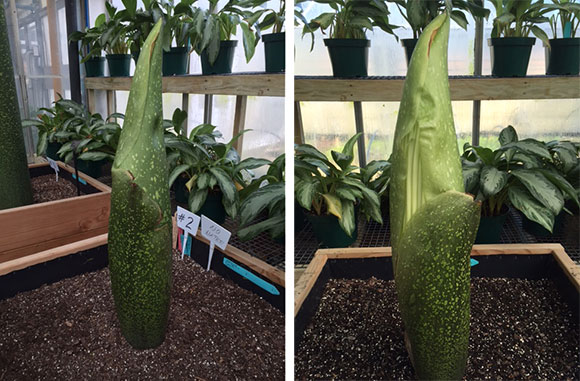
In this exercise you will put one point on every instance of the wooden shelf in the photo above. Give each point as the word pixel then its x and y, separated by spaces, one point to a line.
pixel 463 88
pixel 249 84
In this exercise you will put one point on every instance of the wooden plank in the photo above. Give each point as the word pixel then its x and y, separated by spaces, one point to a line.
pixel 34 224
pixel 307 280
pixel 48 255
pixel 91 181
pixel 54 48
pixel 260 267
pixel 111 104
pixel 298 125
pixel 92 101
pixel 571 269
pixel 240 121
pixel 378 89
pixel 271 85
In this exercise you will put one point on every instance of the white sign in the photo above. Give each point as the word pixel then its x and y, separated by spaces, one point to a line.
pixel 189 222
pixel 216 234
pixel 54 166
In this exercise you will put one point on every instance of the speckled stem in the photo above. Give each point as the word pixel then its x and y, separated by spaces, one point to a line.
pixel 140 221
pixel 433 223
pixel 15 189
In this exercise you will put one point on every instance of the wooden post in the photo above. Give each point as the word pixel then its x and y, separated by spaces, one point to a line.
pixel 359 124
pixel 298 126
pixel 54 48
pixel 185 107
pixel 240 121
pixel 111 104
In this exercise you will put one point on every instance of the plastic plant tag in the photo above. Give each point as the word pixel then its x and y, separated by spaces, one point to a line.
pixel 80 179
pixel 216 234
pixel 474 262
pixel 54 166
pixel 567 30
pixel 187 249
pixel 251 277
pixel 189 222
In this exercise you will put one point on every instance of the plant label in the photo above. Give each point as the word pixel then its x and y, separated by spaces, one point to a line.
pixel 567 30
pixel 251 277
pixel 187 248
pixel 80 179
pixel 216 234
pixel 54 166
pixel 189 222
pixel 473 262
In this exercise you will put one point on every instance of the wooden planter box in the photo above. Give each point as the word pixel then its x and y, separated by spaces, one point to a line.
pixel 37 233
pixel 531 261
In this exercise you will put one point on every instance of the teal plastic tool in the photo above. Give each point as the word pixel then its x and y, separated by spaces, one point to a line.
pixel 251 277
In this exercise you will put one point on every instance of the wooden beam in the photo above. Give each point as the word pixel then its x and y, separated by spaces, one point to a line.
pixel 298 126
pixel 380 89
pixel 50 254
pixel 54 48
pixel 270 85
pixel 92 101
pixel 571 269
pixel 307 281
pixel 111 104
pixel 240 121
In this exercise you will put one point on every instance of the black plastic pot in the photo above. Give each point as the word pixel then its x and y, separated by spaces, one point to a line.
pixel 510 56
pixel 328 231
pixel 563 56
pixel 539 231
pixel 175 61
pixel 181 192
pixel 275 52
pixel 52 149
pixel 213 208
pixel 490 228
pixel 299 217
pixel 224 61
pixel 91 168
pixel 95 67
pixel 349 57
pixel 135 56
pixel 409 45
pixel 119 65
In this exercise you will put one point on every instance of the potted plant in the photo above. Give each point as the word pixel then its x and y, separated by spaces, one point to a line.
pixel 115 40
pixel 376 175
pixel 563 54
pixel 420 13
pixel 90 40
pixel 509 43
pixel 140 22
pixel 347 43
pixel 331 193
pixel 213 32
pixel 514 175
pixel 179 19
pixel 212 171
pixel 274 43
pixel 265 193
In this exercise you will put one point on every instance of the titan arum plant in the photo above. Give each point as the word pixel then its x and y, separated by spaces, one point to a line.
pixel 140 221
pixel 433 222
pixel 15 189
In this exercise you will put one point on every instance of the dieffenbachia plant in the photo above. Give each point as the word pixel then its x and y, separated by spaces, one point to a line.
pixel 433 222
pixel 140 222
pixel 15 189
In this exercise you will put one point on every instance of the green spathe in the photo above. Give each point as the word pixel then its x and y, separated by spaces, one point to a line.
pixel 433 223
pixel 15 189
pixel 140 222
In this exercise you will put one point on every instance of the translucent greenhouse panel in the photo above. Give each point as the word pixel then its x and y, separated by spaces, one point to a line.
pixel 386 55
pixel 265 117
pixel 195 113
pixel 380 119
pixel 222 115
pixel 539 119
pixel 328 125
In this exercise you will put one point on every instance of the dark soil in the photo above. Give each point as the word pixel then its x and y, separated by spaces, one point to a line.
pixel 69 331
pixel 520 329
pixel 45 188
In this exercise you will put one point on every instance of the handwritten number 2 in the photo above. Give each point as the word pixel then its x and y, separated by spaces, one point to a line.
pixel 189 223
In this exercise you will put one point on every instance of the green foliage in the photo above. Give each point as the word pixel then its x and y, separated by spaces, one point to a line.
pixel 140 221
pixel 264 193
pixel 528 174
pixel 217 24
pixel 419 13
pixel 324 187
pixel 567 12
pixel 351 18
pixel 15 189
pixel 376 175
pixel 70 124
pixel 433 222
pixel 208 165
pixel 519 18
pixel 264 17
pixel 90 39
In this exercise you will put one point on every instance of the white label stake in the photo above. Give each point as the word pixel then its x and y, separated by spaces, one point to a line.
pixel 54 166
pixel 189 222
pixel 216 234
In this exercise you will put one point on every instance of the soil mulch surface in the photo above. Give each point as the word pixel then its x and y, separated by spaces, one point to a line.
pixel 69 331
pixel 520 329
pixel 45 188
